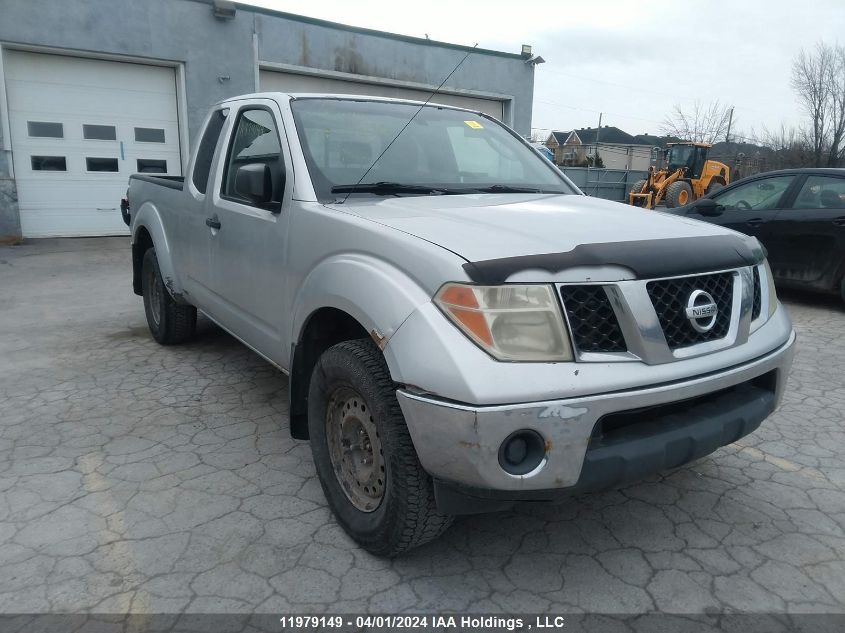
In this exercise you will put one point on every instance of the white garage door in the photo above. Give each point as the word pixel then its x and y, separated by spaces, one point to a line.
pixel 79 128
pixel 273 81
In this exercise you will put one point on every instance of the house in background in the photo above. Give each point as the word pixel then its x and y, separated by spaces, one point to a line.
pixel 616 149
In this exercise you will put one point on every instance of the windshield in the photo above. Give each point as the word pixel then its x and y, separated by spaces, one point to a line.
pixel 680 156
pixel 442 151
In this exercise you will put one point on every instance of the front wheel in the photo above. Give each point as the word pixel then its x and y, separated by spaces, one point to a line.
pixel 169 322
pixel 364 456
pixel 638 188
pixel 678 194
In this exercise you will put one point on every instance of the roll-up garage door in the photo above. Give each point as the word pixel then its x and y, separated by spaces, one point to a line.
pixel 275 81
pixel 79 128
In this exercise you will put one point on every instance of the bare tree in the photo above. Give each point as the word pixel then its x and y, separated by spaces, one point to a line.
pixel 818 79
pixel 836 84
pixel 811 82
pixel 704 123
pixel 788 147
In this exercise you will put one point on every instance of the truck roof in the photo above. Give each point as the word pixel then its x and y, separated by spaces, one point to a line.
pixel 320 95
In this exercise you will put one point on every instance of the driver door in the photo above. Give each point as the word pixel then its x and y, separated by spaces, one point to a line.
pixel 751 206
pixel 250 236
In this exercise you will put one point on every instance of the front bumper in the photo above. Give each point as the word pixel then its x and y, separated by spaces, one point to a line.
pixel 459 444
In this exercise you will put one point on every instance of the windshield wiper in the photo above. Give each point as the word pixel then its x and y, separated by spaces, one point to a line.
pixel 385 188
pixel 508 189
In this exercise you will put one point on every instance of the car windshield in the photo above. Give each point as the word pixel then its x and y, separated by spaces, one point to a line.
pixel 442 151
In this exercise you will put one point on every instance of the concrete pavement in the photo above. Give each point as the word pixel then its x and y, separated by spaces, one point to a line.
pixel 135 477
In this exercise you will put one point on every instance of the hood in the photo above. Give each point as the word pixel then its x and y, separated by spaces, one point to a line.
pixel 488 226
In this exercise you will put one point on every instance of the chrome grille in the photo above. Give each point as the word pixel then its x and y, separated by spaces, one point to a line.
pixel 669 297
pixel 591 319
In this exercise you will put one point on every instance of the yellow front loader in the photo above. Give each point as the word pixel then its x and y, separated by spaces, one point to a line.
pixel 688 176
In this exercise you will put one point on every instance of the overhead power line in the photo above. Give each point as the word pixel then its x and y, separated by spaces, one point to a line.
pixel 674 96
pixel 734 136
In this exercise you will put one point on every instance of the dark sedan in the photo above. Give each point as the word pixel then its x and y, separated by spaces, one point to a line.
pixel 798 215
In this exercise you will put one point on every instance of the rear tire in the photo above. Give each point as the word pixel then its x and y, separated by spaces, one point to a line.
pixel 678 194
pixel 170 323
pixel 713 187
pixel 364 456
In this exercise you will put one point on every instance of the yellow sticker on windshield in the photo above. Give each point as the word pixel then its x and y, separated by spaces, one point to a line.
pixel 475 125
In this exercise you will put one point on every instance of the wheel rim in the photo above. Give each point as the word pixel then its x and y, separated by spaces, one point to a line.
pixel 154 285
pixel 683 196
pixel 355 449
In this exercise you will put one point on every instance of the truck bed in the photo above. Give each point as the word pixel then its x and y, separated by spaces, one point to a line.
pixel 171 182
pixel 147 187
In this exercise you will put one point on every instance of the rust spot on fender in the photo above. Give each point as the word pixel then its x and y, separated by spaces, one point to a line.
pixel 547 446
pixel 469 444
pixel 379 339
pixel 177 296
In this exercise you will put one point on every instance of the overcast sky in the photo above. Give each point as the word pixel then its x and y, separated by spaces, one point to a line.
pixel 632 60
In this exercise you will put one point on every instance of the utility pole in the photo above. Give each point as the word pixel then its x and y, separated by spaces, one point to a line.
pixel 730 120
pixel 596 150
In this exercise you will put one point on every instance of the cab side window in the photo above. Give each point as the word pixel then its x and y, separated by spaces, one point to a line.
pixel 821 192
pixel 255 141
pixel 760 195
pixel 205 153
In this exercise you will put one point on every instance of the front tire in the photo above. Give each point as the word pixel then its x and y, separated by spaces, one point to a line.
pixel 364 456
pixel 638 188
pixel 678 194
pixel 170 323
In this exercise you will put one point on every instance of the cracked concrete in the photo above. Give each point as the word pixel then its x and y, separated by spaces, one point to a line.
pixel 135 477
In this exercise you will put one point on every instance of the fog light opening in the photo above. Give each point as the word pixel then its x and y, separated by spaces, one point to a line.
pixel 522 452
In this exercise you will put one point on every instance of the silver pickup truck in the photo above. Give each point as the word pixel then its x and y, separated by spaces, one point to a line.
pixel 462 328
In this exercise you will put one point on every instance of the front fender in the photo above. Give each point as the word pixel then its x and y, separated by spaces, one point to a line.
pixel 148 218
pixel 375 293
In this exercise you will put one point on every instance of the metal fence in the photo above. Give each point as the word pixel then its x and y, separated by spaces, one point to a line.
pixel 610 184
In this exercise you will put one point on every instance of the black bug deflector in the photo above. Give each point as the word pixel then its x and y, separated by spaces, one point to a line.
pixel 646 259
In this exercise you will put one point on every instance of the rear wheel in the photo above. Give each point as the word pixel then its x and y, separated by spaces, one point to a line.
pixel 364 456
pixel 678 194
pixel 713 187
pixel 169 322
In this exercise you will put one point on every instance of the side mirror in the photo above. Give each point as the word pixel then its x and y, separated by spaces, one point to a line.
pixel 254 182
pixel 708 207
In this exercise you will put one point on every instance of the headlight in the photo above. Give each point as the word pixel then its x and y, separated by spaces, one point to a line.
pixel 773 297
pixel 510 322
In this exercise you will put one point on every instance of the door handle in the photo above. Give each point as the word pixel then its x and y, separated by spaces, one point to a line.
pixel 839 221
pixel 213 223
pixel 755 222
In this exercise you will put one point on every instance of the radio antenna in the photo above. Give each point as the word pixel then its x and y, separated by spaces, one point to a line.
pixel 399 133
